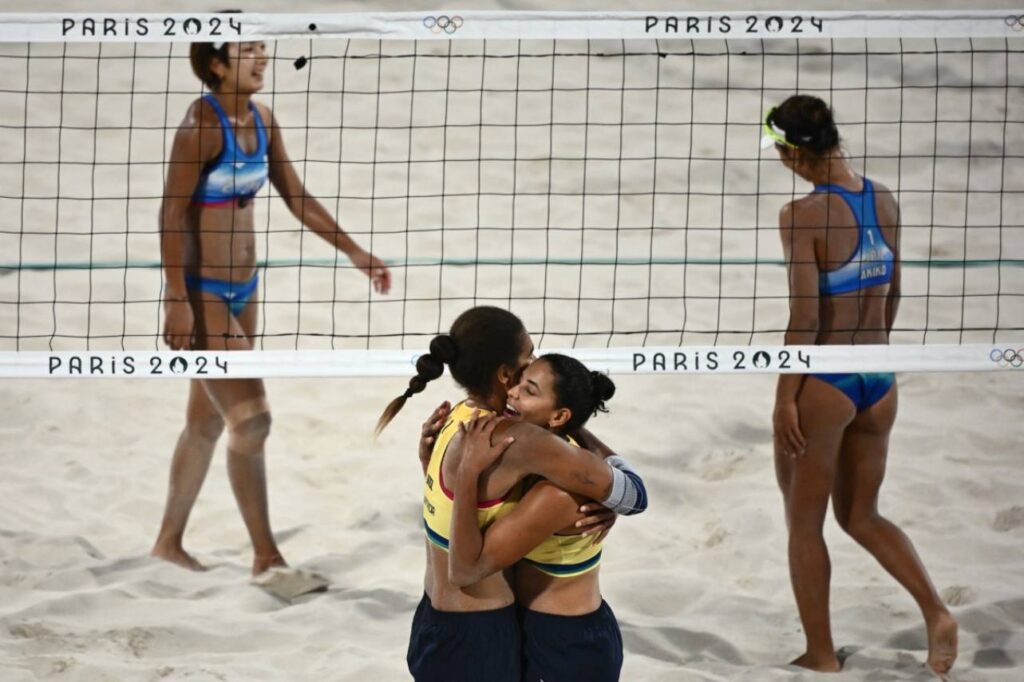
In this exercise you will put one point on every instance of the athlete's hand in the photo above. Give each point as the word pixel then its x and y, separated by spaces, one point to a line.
pixel 477 452
pixel 430 429
pixel 374 268
pixel 789 439
pixel 179 324
pixel 598 520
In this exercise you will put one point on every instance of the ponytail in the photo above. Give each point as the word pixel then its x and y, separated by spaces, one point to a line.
pixel 481 341
pixel 428 367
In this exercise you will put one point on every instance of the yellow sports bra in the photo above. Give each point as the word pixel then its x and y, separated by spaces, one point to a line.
pixel 437 499
pixel 566 556
pixel 561 556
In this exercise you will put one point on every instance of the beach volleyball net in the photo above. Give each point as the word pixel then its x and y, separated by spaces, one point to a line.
pixel 598 174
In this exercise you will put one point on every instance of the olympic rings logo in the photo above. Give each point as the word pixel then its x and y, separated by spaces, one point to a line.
pixel 445 23
pixel 1007 357
pixel 1015 22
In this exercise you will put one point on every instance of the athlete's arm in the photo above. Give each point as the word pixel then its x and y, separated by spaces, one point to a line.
pixel 311 212
pixel 197 141
pixel 544 510
pixel 892 302
pixel 473 555
pixel 597 519
pixel 610 481
pixel 797 227
pixel 588 441
pixel 430 429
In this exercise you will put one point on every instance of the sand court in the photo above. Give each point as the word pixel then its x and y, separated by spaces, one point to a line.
pixel 699 582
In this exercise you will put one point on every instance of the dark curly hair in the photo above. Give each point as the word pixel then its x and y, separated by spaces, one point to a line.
pixel 578 389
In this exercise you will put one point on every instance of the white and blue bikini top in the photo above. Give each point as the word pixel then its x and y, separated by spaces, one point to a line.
pixel 233 175
pixel 871 262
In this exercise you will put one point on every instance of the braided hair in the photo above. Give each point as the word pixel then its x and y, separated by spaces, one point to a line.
pixel 481 341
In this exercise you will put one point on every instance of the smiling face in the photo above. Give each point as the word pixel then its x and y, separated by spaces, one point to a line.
pixel 244 71
pixel 533 399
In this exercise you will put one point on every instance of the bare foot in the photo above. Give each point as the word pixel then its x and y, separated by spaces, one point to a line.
pixel 942 643
pixel 177 555
pixel 822 664
pixel 261 563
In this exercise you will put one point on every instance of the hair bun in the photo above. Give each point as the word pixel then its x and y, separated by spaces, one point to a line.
pixel 604 387
pixel 444 349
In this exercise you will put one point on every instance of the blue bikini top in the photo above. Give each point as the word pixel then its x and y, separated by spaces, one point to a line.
pixel 233 175
pixel 871 262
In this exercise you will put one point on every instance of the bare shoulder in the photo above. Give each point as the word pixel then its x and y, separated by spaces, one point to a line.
pixel 883 193
pixel 201 129
pixel 265 112
pixel 202 115
pixel 786 214
pixel 804 215
pixel 885 201
pixel 815 202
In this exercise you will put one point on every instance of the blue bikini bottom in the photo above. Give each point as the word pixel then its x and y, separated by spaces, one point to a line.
pixel 864 390
pixel 234 294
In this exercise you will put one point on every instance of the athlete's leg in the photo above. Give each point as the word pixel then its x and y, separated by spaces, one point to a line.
pixel 806 482
pixel 859 477
pixel 191 461
pixel 243 405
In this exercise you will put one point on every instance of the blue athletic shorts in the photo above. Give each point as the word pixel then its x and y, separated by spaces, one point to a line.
pixel 464 646
pixel 571 648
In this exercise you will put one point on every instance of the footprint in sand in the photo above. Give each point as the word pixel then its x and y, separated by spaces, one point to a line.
pixel 716 537
pixel 60 665
pixel 719 466
pixel 958 595
pixel 1008 519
